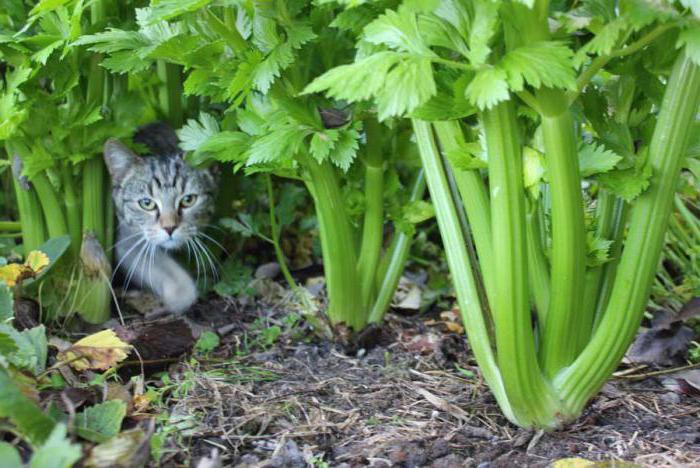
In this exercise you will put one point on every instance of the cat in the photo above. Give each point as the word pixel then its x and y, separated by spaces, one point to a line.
pixel 162 204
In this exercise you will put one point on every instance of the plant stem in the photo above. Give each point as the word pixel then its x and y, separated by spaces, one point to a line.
pixel 93 199
pixel 53 212
pixel 599 62
pixel 337 244
pixel 276 236
pixel 170 93
pixel 538 266
pixel 460 265
pixel 528 392
pixel 395 260
pixel 373 225
pixel 72 210
pixel 475 198
pixel 28 208
pixel 563 334
pixel 648 221
pixel 10 226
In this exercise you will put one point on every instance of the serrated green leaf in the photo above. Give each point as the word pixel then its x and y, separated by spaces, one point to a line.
pixel 226 146
pixel 466 156
pixel 322 143
pixel 278 145
pixel 398 30
pixel 690 39
pixel 345 149
pixel 357 81
pixel 627 183
pixel 196 132
pixel 488 88
pixel 57 451
pixel 481 30
pixel 417 211
pixel 604 41
pixel 32 347
pixel 540 64
pixel 100 422
pixel 31 422
pixel 598 250
pixel 641 13
pixel 408 85
pixel 595 159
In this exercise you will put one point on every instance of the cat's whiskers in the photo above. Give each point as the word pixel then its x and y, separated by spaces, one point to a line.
pixel 126 255
pixel 116 244
pixel 207 253
pixel 196 257
pixel 137 262
pixel 212 240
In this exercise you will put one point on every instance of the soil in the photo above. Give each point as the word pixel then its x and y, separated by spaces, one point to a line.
pixel 411 396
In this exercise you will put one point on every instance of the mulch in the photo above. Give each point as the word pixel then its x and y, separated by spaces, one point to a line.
pixel 412 398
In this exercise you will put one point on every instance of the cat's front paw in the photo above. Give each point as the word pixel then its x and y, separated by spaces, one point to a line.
pixel 178 297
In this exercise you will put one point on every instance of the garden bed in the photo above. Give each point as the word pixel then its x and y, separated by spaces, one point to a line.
pixel 411 397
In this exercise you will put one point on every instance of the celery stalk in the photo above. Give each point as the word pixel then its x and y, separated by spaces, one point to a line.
pixel 648 220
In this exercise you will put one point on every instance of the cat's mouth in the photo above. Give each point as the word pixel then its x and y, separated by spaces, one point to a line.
pixel 170 244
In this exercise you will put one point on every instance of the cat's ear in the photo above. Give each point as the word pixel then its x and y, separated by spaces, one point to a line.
pixel 119 159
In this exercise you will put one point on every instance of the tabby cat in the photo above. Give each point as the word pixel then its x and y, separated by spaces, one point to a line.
pixel 162 205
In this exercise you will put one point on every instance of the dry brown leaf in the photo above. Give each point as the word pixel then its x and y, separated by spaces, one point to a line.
pixel 99 351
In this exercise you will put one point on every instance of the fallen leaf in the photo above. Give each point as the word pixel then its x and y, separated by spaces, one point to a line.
pixel 100 351
pixel 686 382
pixel 12 273
pixel 37 261
pixel 100 422
pixel 664 344
pixel 126 449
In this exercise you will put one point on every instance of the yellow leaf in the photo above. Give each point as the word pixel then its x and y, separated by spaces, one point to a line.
pixel 11 273
pixel 37 261
pixel 100 350
pixel 572 463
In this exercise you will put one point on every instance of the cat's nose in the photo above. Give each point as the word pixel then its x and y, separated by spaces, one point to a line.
pixel 169 229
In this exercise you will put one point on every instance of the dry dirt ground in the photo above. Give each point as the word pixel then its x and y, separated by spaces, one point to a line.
pixel 409 395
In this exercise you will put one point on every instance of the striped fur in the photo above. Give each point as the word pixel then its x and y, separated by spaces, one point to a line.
pixel 151 195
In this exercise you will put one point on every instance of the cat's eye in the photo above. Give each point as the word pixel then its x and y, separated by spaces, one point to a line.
pixel 147 204
pixel 188 200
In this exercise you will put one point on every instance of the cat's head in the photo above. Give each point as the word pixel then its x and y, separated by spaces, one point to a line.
pixel 160 196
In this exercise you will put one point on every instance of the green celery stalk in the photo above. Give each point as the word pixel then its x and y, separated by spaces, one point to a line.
pixel 394 261
pixel 648 220
pixel 94 199
pixel 72 209
pixel 538 265
pixel 373 225
pixel 338 246
pixel 460 266
pixel 29 209
pixel 53 212
pixel 475 198
pixel 566 329
pixel 529 393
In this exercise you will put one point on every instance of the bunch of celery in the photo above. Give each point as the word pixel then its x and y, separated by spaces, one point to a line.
pixel 58 107
pixel 256 58
pixel 599 92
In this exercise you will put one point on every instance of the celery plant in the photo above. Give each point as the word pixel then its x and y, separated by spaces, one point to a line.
pixel 513 105
pixel 59 106
pixel 259 73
